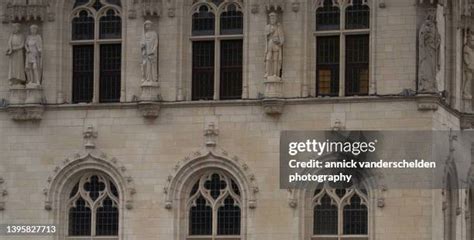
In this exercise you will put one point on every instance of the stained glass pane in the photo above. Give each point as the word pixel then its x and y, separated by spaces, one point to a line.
pixel 94 187
pixel 200 218
pixel 327 68
pixel 232 21
pixel 83 27
pixel 110 26
pixel 80 219
pixel 328 17
pixel 325 218
pixel 83 73
pixel 357 65
pixel 203 70
pixel 215 185
pixel 355 218
pixel 107 219
pixel 231 69
pixel 203 22
pixel 228 222
pixel 110 72
pixel 357 16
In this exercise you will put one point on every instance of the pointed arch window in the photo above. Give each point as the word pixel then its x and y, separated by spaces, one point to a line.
pixel 96 40
pixel 340 214
pixel 342 47
pixel 214 207
pixel 217 48
pixel 93 208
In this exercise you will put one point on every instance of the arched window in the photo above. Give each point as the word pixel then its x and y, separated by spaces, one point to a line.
pixel 93 208
pixel 217 48
pixel 340 214
pixel 342 47
pixel 214 206
pixel 96 40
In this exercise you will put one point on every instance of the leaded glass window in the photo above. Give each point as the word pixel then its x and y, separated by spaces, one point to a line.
pixel 342 35
pixel 214 207
pixel 96 38
pixel 217 47
pixel 340 214
pixel 93 208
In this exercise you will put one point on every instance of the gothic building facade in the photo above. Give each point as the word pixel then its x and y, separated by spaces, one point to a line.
pixel 161 119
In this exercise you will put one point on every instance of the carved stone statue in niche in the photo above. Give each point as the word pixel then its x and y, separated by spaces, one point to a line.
pixel 468 66
pixel 15 52
pixel 274 46
pixel 34 62
pixel 429 50
pixel 149 47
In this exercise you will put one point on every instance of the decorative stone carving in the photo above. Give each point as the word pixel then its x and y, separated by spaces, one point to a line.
pixel 151 7
pixel 428 103
pixel 273 106
pixel 149 109
pixel 88 160
pixel 275 5
pixel 429 50
pixel 15 53
pixel 211 133
pixel 211 159
pixel 32 112
pixel 3 194
pixel 34 62
pixel 90 135
pixel 22 10
pixel 468 65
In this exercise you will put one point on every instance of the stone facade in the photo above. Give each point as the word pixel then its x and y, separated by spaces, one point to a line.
pixel 149 147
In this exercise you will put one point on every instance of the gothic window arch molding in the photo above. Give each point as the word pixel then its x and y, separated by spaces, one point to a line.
pixel 215 188
pixel 90 194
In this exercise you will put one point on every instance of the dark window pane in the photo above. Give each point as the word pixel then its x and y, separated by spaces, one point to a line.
pixel 83 73
pixel 357 65
pixel 110 72
pixel 110 26
pixel 231 69
pixel 215 185
pixel 355 218
pixel 203 22
pixel 328 17
pixel 203 70
pixel 80 219
pixel 107 219
pixel 327 68
pixel 94 187
pixel 200 218
pixel 232 21
pixel 325 218
pixel 83 26
pixel 228 218
pixel 357 16
pixel 97 5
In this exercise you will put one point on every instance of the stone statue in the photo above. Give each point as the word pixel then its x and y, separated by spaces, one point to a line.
pixel 33 64
pixel 429 50
pixel 274 46
pixel 468 66
pixel 149 46
pixel 15 52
